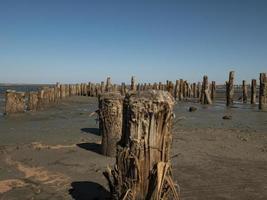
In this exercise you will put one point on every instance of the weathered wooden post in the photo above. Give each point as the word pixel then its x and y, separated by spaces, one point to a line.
pixel 176 90
pixel 143 165
pixel 32 101
pixel 213 90
pixel 40 102
pixel 263 92
pixel 15 102
pixel 123 89
pixel 245 92
pixel 205 93
pixel 108 85
pixel 62 91
pixel 133 84
pixel 181 96
pixel 170 87
pixel 230 89
pixel 102 87
pixel 110 121
pixel 253 91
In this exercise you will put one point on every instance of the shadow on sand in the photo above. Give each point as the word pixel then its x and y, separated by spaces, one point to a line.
pixel 94 131
pixel 90 147
pixel 85 190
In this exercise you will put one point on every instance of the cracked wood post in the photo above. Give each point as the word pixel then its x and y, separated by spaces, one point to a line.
pixel 230 89
pixel 143 168
pixel 194 88
pixel 15 102
pixel 110 121
pixel 205 94
pixel 170 87
pixel 32 101
pixel 213 90
pixel 245 92
pixel 263 92
pixel 253 91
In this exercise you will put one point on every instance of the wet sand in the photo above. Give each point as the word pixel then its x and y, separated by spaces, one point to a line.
pixel 54 154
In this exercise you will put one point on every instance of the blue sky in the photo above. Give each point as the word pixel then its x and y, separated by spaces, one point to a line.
pixel 44 41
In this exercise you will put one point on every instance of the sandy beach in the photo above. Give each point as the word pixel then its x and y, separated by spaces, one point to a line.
pixel 54 153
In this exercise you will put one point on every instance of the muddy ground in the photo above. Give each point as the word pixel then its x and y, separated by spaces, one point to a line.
pixel 54 154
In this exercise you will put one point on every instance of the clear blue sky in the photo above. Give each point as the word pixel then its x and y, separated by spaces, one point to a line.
pixel 44 41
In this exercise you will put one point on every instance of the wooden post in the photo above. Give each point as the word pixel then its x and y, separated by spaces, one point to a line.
pixel 245 92
pixel 32 101
pixel 143 168
pixel 62 91
pixel 253 91
pixel 170 87
pixel 110 121
pixel 133 83
pixel 15 102
pixel 176 90
pixel 230 89
pixel 181 96
pixel 108 85
pixel 123 89
pixel 213 90
pixel 205 93
pixel 263 92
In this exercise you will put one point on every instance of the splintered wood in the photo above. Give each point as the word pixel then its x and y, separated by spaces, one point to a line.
pixel 143 169
pixel 205 93
pixel 110 121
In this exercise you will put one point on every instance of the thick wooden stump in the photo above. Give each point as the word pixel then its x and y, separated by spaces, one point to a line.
pixel 142 169
pixel 263 92
pixel 15 102
pixel 110 121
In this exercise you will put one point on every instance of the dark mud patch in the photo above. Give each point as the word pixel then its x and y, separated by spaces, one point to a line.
pixel 85 190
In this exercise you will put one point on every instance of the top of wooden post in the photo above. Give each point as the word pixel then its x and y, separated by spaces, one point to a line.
pixel 155 96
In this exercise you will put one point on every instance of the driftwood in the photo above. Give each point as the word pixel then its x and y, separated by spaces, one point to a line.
pixel 110 121
pixel 230 89
pixel 245 92
pixel 263 92
pixel 142 169
pixel 253 91
pixel 15 102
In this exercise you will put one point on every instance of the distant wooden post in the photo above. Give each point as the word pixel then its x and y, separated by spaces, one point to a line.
pixel 62 91
pixel 143 168
pixel 230 89
pixel 213 90
pixel 32 101
pixel 177 89
pixel 102 87
pixel 15 102
pixel 108 85
pixel 263 92
pixel 245 92
pixel 181 96
pixel 170 87
pixel 133 83
pixel 253 91
pixel 205 93
pixel 110 121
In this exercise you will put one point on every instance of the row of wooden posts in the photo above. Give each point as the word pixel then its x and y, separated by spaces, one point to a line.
pixel 205 92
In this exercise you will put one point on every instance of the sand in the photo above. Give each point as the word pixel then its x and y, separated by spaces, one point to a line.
pixel 54 154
